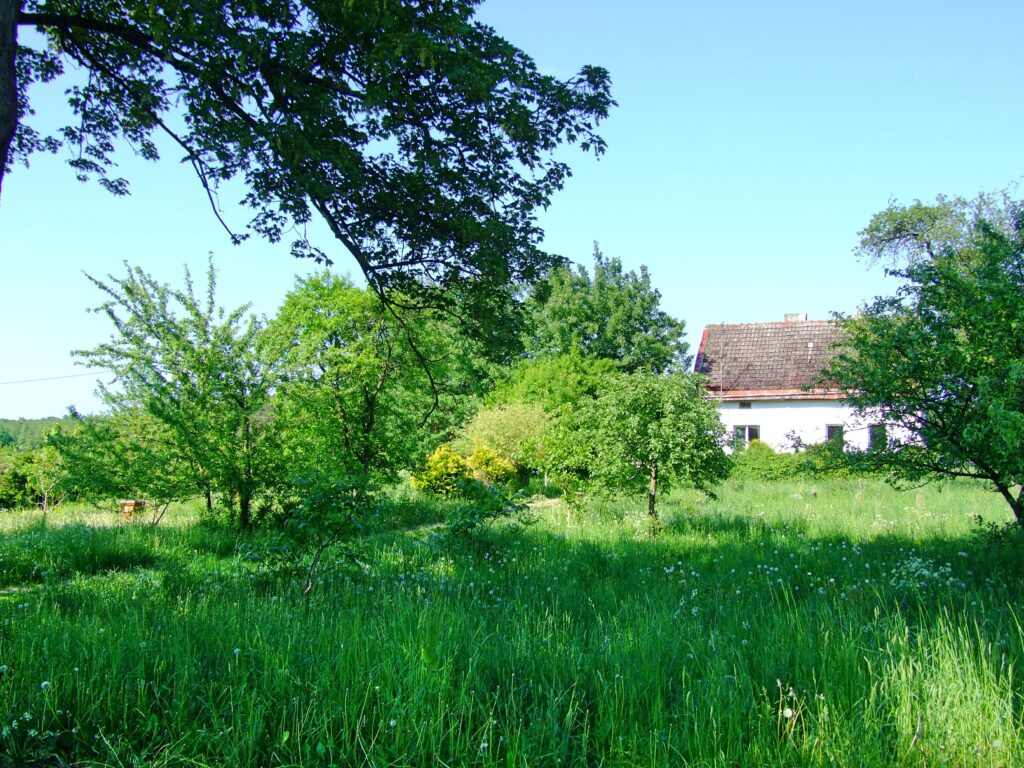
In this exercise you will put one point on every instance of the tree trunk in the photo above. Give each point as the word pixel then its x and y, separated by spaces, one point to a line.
pixel 209 498
pixel 8 79
pixel 1016 502
pixel 1017 505
pixel 652 493
pixel 244 514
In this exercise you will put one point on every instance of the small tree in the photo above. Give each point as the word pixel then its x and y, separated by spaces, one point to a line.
pixel 194 369
pixel 361 391
pixel 44 470
pixel 942 361
pixel 125 455
pixel 647 432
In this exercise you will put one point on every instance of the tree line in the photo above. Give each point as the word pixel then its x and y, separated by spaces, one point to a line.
pixel 343 390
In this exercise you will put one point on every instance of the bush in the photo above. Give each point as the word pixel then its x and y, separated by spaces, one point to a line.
pixel 480 506
pixel 443 474
pixel 491 467
pixel 759 461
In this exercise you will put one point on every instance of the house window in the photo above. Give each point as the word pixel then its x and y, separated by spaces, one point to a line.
pixel 745 405
pixel 878 438
pixel 742 434
pixel 834 432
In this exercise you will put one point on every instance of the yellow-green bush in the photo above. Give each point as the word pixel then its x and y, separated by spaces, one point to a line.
pixel 444 473
pixel 491 467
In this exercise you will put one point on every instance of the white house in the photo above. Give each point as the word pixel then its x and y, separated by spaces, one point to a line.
pixel 763 377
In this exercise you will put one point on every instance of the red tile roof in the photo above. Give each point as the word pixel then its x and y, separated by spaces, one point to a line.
pixel 759 361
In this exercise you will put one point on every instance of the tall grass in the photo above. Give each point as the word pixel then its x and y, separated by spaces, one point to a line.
pixel 789 624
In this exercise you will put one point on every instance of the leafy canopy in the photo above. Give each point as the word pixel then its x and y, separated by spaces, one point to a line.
pixel 361 391
pixel 942 361
pixel 646 431
pixel 194 369
pixel 423 139
pixel 610 315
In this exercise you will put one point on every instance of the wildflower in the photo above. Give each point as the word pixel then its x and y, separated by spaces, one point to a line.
pixel 237 651
pixel 787 713
pixel 44 685
pixel 393 723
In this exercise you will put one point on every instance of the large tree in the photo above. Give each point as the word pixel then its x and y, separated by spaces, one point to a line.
pixel 423 139
pixel 360 391
pixel 942 360
pixel 609 314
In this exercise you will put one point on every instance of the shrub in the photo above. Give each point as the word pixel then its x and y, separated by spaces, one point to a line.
pixel 759 461
pixel 491 467
pixel 480 506
pixel 445 470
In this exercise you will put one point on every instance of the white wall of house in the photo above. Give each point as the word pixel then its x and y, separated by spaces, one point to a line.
pixel 776 420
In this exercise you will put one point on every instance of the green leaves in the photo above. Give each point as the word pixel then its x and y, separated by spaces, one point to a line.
pixel 646 431
pixel 193 369
pixel 422 138
pixel 612 315
pixel 942 359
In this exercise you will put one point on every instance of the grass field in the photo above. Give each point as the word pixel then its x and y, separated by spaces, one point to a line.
pixel 792 624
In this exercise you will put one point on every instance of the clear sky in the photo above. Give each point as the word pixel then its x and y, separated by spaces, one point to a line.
pixel 751 143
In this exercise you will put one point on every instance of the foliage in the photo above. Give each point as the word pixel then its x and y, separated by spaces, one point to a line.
pixel 490 467
pixel 759 461
pixel 479 506
pixel 942 361
pixel 328 515
pixel 32 478
pixel 423 139
pixel 903 235
pixel 128 454
pixel 45 471
pixel 194 369
pixel 516 430
pixel 612 315
pixel 551 382
pixel 31 433
pixel 443 473
pixel 352 396
pixel 14 481
pixel 646 430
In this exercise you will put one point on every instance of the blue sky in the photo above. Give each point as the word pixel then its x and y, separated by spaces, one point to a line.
pixel 751 143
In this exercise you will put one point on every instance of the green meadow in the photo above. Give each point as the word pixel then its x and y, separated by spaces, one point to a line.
pixel 839 623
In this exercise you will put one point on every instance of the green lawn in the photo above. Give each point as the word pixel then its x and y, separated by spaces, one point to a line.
pixel 838 623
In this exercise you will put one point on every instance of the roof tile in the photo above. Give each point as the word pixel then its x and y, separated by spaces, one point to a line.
pixel 766 356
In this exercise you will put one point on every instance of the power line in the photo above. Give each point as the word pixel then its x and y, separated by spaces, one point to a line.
pixel 53 378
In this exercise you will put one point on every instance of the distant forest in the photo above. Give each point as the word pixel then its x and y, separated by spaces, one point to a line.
pixel 29 433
